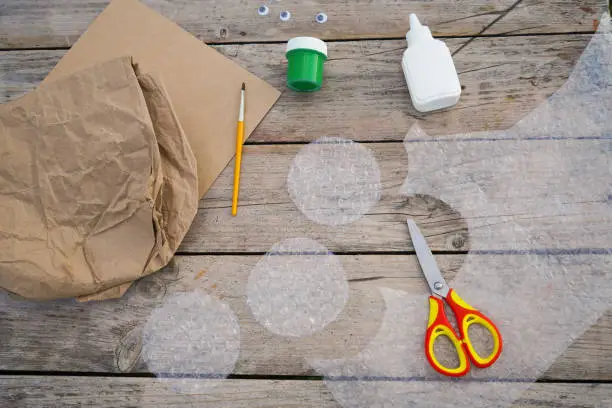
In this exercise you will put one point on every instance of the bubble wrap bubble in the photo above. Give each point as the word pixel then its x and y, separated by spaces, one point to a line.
pixel 297 288
pixel 191 335
pixel 334 181
pixel 542 282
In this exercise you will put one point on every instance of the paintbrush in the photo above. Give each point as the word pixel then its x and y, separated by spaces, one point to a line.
pixel 239 142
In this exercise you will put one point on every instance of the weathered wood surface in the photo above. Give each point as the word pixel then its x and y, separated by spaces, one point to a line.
pixel 267 214
pixel 107 336
pixel 58 23
pixel 526 17
pixel 67 392
pixel 365 97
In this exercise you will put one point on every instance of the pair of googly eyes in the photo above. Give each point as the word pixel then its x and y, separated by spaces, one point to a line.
pixel 286 15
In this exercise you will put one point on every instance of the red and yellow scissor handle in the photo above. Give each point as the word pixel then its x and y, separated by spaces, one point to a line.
pixel 466 316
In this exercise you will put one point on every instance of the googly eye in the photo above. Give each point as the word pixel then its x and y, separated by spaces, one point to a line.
pixel 285 15
pixel 263 10
pixel 321 18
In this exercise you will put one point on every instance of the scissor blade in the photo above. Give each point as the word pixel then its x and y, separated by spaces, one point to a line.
pixel 436 282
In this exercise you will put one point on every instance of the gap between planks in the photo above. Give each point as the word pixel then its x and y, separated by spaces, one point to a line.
pixel 35 391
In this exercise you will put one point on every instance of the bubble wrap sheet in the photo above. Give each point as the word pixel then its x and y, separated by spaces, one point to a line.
pixel 334 181
pixel 555 163
pixel 297 288
pixel 191 336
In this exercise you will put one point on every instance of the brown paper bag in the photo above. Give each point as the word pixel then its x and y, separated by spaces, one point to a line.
pixel 98 184
pixel 204 85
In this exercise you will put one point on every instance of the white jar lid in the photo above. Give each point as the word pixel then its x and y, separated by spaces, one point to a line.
pixel 309 43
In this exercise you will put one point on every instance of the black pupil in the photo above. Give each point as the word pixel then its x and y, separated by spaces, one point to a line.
pixel 320 17
pixel 262 9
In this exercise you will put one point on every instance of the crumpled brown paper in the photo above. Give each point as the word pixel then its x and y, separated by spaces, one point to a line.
pixel 98 184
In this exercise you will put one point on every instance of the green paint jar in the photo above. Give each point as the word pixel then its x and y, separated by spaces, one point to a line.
pixel 305 57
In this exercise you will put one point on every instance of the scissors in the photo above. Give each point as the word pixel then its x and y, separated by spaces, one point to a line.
pixel 465 314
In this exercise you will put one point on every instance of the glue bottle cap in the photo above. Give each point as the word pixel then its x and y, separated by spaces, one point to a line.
pixel 417 31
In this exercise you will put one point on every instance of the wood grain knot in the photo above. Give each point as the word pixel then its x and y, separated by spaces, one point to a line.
pixel 151 288
pixel 458 242
pixel 127 353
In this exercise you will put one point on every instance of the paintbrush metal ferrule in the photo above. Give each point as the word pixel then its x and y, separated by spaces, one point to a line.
pixel 241 114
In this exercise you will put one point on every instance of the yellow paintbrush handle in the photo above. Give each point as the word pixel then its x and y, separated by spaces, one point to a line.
pixel 239 141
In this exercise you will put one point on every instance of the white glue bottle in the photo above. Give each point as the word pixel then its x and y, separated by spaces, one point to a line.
pixel 429 70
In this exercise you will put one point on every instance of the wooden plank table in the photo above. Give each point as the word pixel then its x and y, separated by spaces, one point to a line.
pixel 511 55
